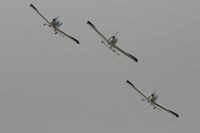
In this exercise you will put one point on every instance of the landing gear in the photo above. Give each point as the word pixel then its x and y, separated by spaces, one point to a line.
pixel 142 99
pixel 110 46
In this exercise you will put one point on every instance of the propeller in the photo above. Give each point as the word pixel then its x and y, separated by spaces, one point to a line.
pixel 154 92
pixel 116 34
pixel 55 18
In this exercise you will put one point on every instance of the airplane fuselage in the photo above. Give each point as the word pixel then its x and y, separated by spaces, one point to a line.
pixel 112 41
pixel 55 23
pixel 152 98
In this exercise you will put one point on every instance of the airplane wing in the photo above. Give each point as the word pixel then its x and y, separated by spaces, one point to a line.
pixel 161 107
pixel 136 89
pixel 72 38
pixel 34 8
pixel 125 53
pixel 95 29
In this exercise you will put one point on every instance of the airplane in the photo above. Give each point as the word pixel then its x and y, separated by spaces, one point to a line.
pixel 152 100
pixel 111 42
pixel 54 24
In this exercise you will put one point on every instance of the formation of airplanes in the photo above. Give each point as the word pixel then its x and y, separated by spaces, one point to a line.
pixel 111 44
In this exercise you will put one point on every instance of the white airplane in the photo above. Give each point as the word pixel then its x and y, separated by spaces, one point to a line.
pixel 55 24
pixel 111 42
pixel 152 100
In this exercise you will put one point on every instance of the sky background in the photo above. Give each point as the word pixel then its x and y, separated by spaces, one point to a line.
pixel 50 84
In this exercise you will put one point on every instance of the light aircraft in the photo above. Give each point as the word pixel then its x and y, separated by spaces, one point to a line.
pixel 111 42
pixel 55 24
pixel 152 100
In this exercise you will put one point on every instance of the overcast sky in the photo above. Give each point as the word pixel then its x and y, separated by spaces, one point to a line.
pixel 49 84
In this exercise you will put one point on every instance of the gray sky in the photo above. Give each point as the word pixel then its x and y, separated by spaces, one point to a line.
pixel 49 84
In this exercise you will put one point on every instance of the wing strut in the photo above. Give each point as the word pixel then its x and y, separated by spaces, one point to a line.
pixel 136 89
pixel 162 107
pixel 34 8
pixel 125 53
pixel 95 29
pixel 72 38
